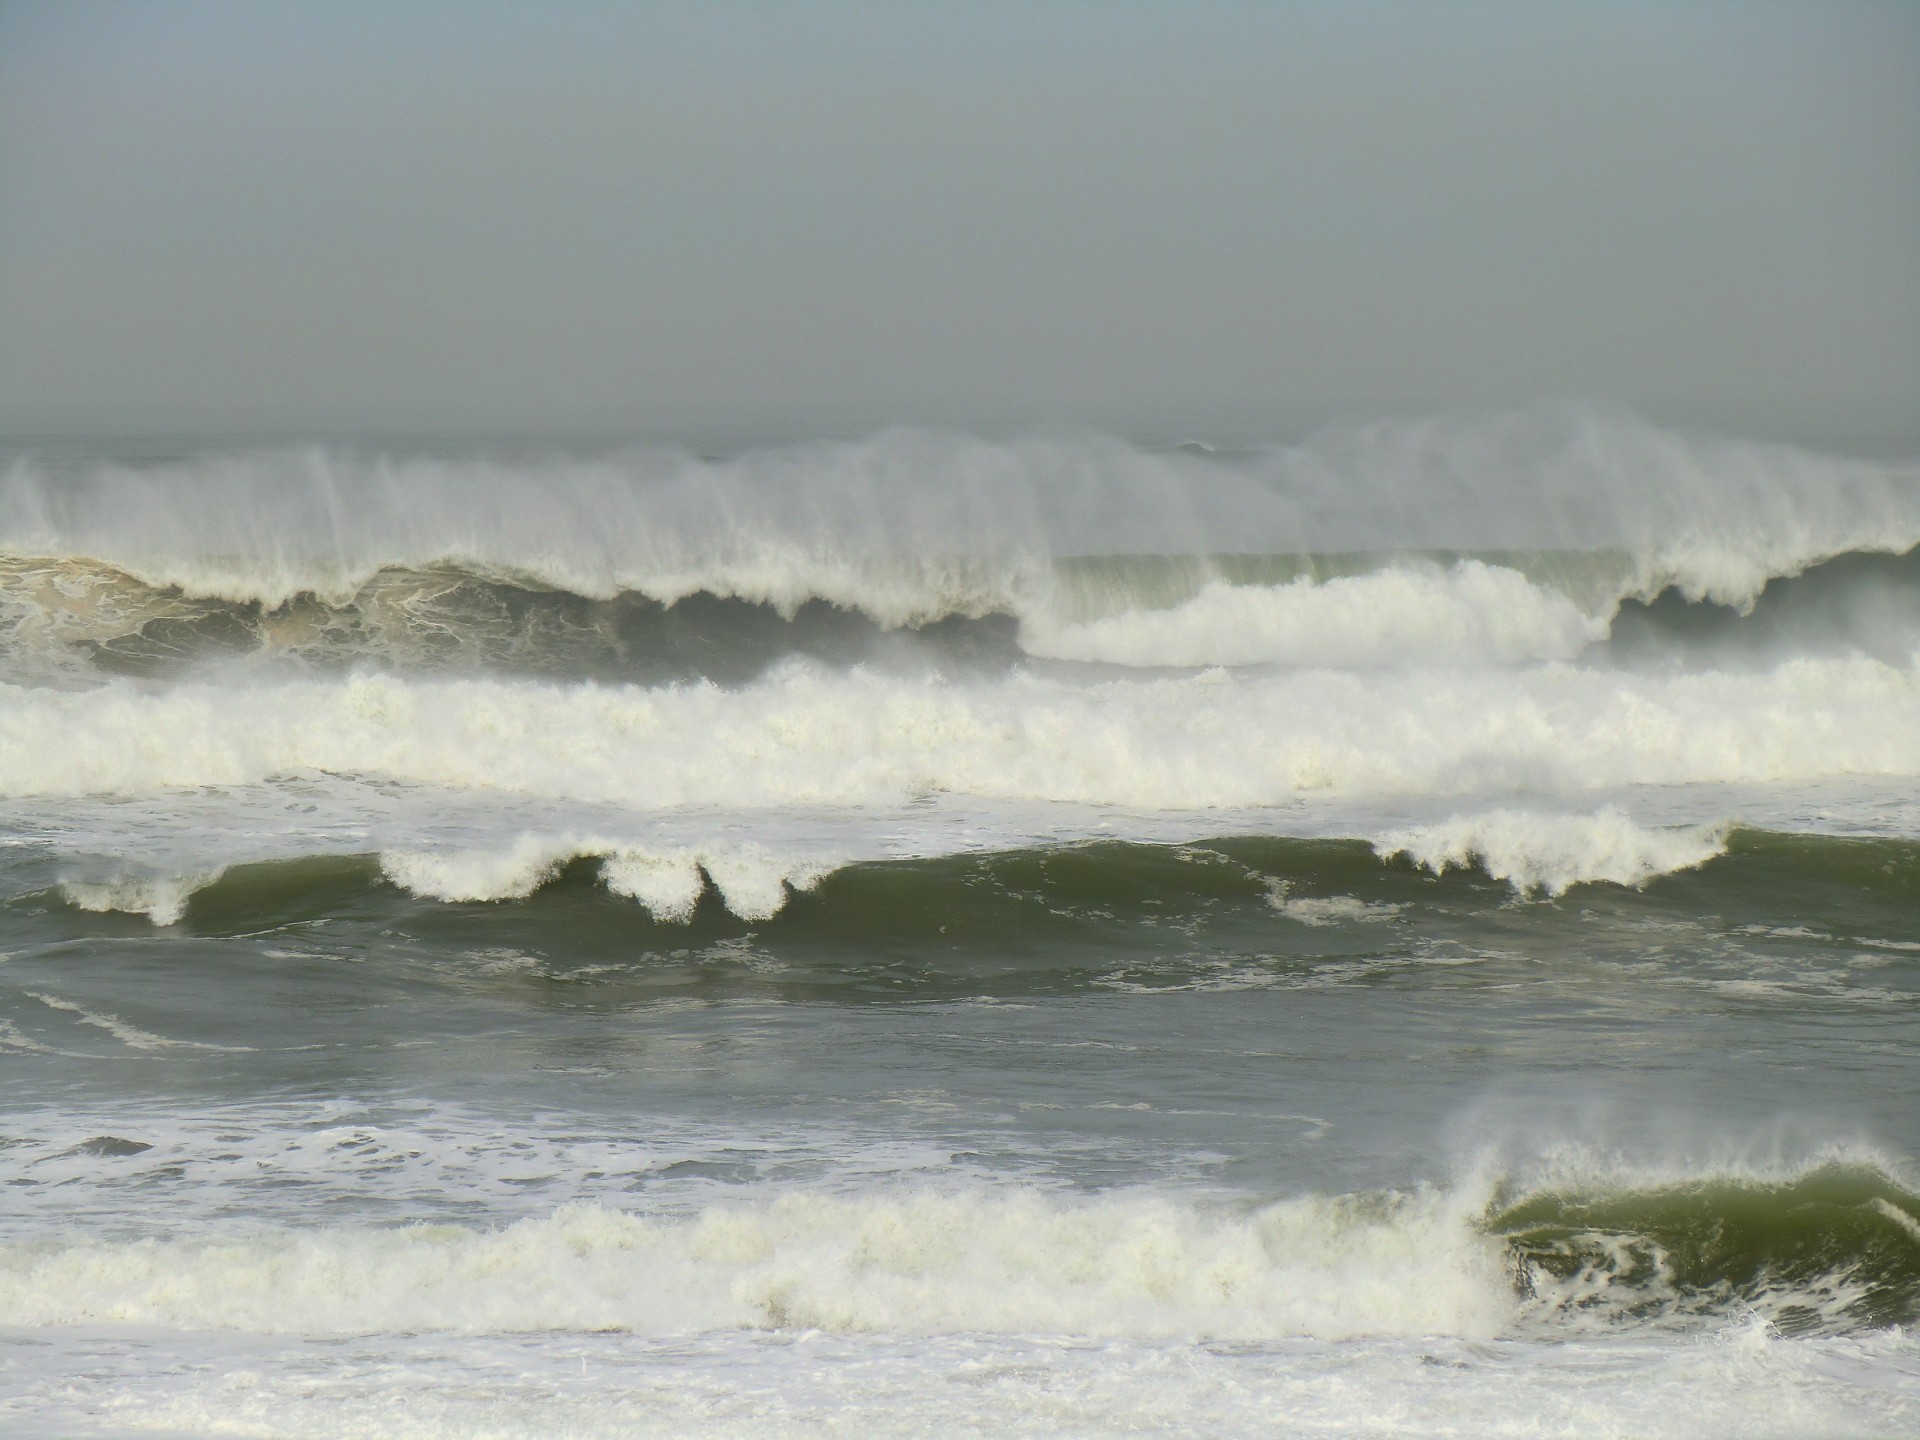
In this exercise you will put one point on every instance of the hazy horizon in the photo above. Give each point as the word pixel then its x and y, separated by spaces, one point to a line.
pixel 1227 221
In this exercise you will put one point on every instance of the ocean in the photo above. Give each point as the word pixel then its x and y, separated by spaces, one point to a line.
pixel 1414 932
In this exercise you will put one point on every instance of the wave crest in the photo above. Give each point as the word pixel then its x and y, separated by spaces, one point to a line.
pixel 1534 852
pixel 752 882
pixel 1099 549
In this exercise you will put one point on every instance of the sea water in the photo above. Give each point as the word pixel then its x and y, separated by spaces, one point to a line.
pixel 1416 933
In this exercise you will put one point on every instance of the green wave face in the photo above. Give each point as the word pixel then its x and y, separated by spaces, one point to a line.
pixel 1827 917
pixel 1833 1250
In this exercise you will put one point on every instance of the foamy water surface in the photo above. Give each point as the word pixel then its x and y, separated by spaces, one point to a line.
pixel 1416 933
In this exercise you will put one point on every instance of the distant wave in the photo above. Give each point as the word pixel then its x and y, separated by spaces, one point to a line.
pixel 69 621
pixel 1510 538
pixel 1835 1248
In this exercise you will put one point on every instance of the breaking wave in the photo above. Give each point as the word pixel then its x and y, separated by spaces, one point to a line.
pixel 1512 539
pixel 1835 1248
pixel 1556 852
pixel 1861 887
pixel 751 882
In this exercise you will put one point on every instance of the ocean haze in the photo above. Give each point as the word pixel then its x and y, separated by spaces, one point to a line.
pixel 1216 219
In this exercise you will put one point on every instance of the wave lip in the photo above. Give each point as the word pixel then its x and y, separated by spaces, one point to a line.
pixel 751 881
pixel 74 622
pixel 1067 886
pixel 1534 852
pixel 161 898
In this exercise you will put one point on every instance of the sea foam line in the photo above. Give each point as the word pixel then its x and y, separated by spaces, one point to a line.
pixel 132 1036
pixel 806 737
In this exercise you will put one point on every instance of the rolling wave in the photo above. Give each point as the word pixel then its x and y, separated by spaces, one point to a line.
pixel 1835 1248
pixel 67 622
pixel 76 621
pixel 1473 864
pixel 1514 539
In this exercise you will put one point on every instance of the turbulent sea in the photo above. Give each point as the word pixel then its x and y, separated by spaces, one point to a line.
pixel 1416 933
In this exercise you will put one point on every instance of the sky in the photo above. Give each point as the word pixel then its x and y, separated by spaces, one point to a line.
pixel 1181 219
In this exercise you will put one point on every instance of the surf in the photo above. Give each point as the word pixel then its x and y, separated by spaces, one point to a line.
pixel 1833 1249
pixel 1500 538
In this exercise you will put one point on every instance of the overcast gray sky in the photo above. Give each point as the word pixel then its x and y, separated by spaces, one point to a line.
pixel 1190 217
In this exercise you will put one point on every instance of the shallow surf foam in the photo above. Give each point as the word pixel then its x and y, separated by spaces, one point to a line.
pixel 1745 1382
pixel 994 1262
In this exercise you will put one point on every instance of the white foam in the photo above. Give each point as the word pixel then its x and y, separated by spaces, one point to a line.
pixel 752 881
pixel 1747 1382
pixel 810 738
pixel 1000 1262
pixel 161 898
pixel 132 1036
pixel 1320 910
pixel 669 885
pixel 1471 613
pixel 473 875
pixel 1553 853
